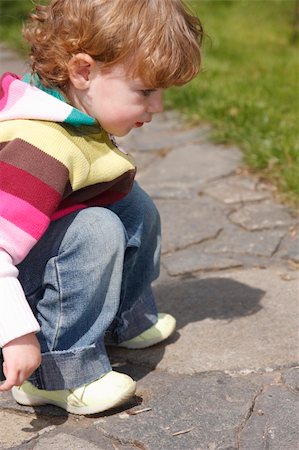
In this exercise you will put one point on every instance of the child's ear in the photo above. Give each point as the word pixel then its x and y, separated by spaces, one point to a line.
pixel 79 67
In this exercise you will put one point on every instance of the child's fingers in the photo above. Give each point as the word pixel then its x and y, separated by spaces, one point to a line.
pixel 7 385
pixel 12 379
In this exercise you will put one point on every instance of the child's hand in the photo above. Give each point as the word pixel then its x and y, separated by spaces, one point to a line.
pixel 21 357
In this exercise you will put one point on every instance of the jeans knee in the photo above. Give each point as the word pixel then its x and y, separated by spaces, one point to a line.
pixel 94 231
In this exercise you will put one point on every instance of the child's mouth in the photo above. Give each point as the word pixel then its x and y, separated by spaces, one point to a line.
pixel 138 124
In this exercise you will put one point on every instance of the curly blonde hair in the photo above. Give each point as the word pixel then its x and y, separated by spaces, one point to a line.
pixel 160 38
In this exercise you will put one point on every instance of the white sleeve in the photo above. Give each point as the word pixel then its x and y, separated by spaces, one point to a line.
pixel 16 317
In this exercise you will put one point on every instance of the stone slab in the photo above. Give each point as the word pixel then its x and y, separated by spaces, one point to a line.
pixel 236 321
pixel 11 62
pixel 143 161
pixel 170 191
pixel 194 164
pixel 236 189
pixel 274 421
pixel 189 222
pixel 17 429
pixel 234 240
pixel 291 378
pixel 143 140
pixel 263 215
pixel 206 409
pixel 289 249
pixel 67 441
pixel 193 259
pixel 90 439
pixel 230 248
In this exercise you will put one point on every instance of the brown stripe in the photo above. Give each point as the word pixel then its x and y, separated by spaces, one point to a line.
pixel 25 186
pixel 122 184
pixel 25 156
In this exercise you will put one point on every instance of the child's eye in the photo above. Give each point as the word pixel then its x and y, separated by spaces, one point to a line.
pixel 147 92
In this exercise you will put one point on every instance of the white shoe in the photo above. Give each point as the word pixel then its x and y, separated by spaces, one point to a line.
pixel 109 391
pixel 162 329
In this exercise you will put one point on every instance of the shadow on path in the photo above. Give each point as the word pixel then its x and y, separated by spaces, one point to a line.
pixel 190 301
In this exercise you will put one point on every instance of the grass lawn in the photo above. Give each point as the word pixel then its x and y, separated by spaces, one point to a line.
pixel 249 85
pixel 248 88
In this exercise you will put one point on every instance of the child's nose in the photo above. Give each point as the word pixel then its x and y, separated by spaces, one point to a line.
pixel 156 103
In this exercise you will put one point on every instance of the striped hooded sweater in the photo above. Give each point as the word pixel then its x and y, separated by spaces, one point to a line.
pixel 54 159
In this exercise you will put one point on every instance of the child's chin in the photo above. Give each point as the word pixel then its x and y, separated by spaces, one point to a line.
pixel 121 133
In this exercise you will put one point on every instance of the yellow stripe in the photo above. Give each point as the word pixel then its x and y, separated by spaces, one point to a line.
pixel 90 158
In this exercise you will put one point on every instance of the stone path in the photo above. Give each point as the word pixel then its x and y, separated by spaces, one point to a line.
pixel 228 378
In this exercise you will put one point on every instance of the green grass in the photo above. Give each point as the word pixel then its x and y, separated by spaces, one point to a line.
pixel 12 14
pixel 248 88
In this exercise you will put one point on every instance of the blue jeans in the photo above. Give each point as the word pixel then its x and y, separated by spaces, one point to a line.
pixel 88 282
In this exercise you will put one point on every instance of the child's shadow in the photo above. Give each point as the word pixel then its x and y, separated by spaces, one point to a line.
pixel 189 301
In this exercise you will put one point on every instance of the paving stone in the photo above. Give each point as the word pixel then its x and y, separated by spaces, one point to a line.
pixel 235 190
pixel 234 240
pixel 196 220
pixel 163 139
pixel 10 61
pixel 274 421
pixel 262 216
pixel 193 260
pixel 143 161
pixel 67 441
pixel 170 190
pixel 16 429
pixel 209 407
pixel 290 249
pixel 291 378
pixel 230 321
pixel 293 254
pixel 193 165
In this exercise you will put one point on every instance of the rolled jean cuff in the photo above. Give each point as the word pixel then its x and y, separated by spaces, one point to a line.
pixel 130 323
pixel 71 369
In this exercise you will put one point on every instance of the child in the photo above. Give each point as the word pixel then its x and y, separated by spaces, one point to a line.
pixel 79 239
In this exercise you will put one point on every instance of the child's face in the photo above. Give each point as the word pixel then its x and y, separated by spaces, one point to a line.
pixel 117 102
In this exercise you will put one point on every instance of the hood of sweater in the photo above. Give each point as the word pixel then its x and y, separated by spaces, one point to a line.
pixel 20 99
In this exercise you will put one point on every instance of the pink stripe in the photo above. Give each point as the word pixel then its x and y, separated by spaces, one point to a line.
pixel 14 241
pixel 8 98
pixel 14 101
pixel 23 215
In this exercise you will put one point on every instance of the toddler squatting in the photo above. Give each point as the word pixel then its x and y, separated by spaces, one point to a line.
pixel 79 239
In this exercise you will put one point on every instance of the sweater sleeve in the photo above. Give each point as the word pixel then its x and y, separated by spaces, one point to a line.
pixel 32 184
pixel 16 318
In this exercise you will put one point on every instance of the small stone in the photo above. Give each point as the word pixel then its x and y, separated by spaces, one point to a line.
pixel 286 277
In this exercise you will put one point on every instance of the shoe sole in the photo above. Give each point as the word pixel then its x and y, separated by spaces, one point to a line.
pixel 25 399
